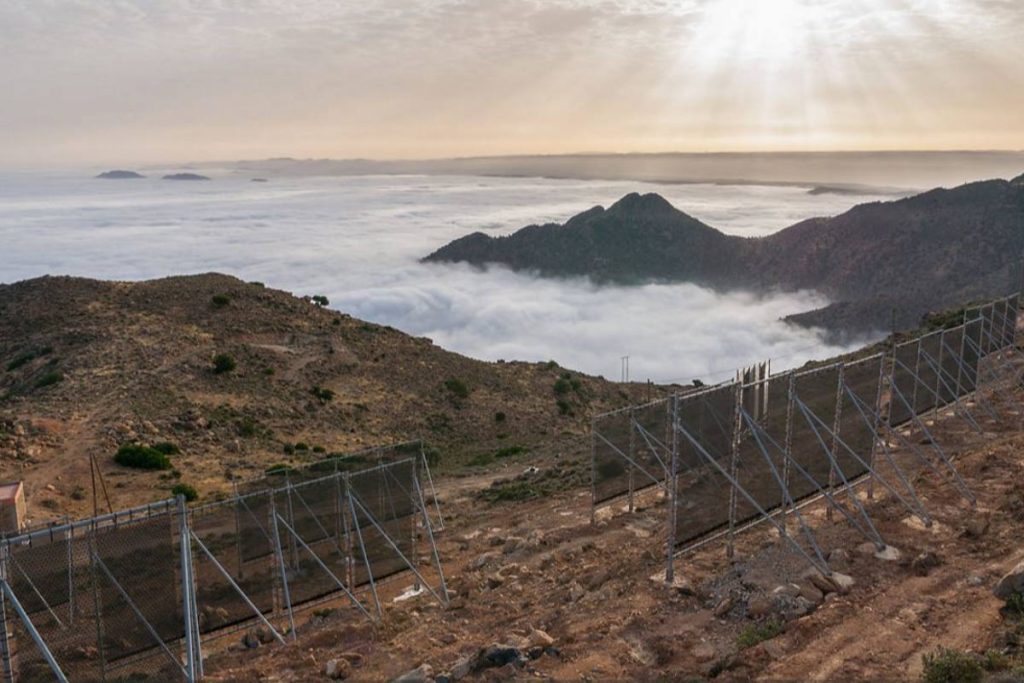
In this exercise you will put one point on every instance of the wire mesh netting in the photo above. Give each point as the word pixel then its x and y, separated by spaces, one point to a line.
pixel 971 355
pixel 384 519
pixel 706 429
pixel 927 386
pixel 237 535
pixel 903 383
pixel 815 394
pixel 611 466
pixel 858 415
pixel 951 375
pixel 760 467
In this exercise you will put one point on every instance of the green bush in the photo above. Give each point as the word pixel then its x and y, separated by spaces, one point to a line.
pixel 951 666
pixel 509 451
pixel 510 492
pixel 222 363
pixel 457 388
pixel 753 634
pixel 141 458
pixel 167 448
pixel 301 446
pixel 321 393
pixel 564 407
pixel 28 356
pixel 279 469
pixel 50 378
pixel 562 386
pixel 288 449
pixel 319 449
pixel 186 490
pixel 433 455
pixel 499 416
pixel 1015 606
pixel 481 460
pixel 320 300
pixel 247 427
pixel 220 300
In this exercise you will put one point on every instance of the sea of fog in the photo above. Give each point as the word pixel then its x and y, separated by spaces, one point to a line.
pixel 358 239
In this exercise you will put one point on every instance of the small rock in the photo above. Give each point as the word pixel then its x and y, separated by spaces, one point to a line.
pixel 924 563
pixel 498 655
pixel 541 639
pixel 495 580
pixel 421 674
pixel 866 549
pixel 703 652
pixel 786 590
pixel 1012 582
pixel 808 591
pixel 251 640
pixel 337 669
pixel 482 561
pixel 724 606
pixel 576 591
pixel 844 582
pixel 462 668
pixel 977 526
pixel 838 556
pixel 546 560
pixel 888 553
pixel 759 605
pixel 974 580
pixel 680 584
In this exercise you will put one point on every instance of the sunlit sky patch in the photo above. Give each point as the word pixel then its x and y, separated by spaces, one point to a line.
pixel 172 80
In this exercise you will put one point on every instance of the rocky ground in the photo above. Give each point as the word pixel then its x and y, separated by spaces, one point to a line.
pixel 540 592
pixel 88 366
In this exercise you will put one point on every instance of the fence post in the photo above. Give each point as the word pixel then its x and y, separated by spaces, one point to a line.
pixel 673 501
pixel 279 552
pixel 7 663
pixel 632 454
pixel 593 471
pixel 734 465
pixel 192 648
pixel 835 437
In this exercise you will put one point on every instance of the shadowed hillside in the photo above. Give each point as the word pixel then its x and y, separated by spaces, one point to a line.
pixel 87 366
pixel 912 255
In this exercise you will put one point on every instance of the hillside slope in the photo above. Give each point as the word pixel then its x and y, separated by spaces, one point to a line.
pixel 913 255
pixel 86 366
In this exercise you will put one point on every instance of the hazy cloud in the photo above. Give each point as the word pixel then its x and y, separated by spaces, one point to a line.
pixel 357 240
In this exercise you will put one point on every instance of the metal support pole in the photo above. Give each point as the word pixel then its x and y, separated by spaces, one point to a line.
pixel 835 437
pixel 433 491
pixel 788 445
pixel 186 593
pixel 593 471
pixel 737 424
pixel 433 546
pixel 281 564
pixel 673 493
pixel 241 593
pixel 632 454
pixel 38 639
pixel 362 545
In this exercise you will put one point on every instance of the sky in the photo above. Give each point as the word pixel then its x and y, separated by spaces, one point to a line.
pixel 178 80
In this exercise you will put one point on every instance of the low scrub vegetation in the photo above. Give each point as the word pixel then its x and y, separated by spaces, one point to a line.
pixel 222 363
pixel 167 448
pixel 951 666
pixel 50 378
pixel 220 300
pixel 141 458
pixel 323 394
pixel 753 634
pixel 457 388
pixel 27 357
pixel 186 490
pixel 510 492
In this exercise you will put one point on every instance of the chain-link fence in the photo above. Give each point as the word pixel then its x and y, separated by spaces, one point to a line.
pixel 139 591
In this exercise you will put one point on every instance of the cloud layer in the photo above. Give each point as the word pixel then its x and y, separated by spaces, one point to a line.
pixel 357 240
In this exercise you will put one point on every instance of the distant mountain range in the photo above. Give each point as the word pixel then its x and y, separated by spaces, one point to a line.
pixel 907 257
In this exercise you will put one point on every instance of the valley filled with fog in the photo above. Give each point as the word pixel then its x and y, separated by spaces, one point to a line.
pixel 357 240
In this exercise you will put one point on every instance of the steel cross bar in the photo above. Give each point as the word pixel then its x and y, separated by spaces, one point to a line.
pixel 771 519
pixel 51 661
pixel 32 585
pixel 648 437
pixel 230 580
pixel 810 417
pixel 362 547
pixel 139 615
pixel 961 484
pixel 355 499
pixel 316 558
pixel 756 430
pixel 939 372
pixel 615 448
pixel 961 369
pixel 861 406
pixel 822 491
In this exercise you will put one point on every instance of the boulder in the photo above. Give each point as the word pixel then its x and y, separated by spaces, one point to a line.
pixel 539 638
pixel 976 527
pixel 924 563
pixel 724 606
pixel 759 605
pixel 1011 583
pixel 888 553
pixel 337 669
pixel 424 673
pixel 576 591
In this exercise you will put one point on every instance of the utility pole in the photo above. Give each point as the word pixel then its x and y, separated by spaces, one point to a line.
pixel 624 366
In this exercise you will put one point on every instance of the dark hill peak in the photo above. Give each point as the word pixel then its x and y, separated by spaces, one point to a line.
pixel 648 203
pixel 1019 180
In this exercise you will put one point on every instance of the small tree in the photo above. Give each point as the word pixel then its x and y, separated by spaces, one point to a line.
pixel 320 300
pixel 186 490
pixel 222 363
pixel 220 300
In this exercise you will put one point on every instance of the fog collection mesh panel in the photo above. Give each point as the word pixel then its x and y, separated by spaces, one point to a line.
pixel 143 558
pixel 972 343
pixel 754 471
pixel 950 388
pixel 652 443
pixel 702 492
pixel 246 555
pixel 927 374
pixel 818 391
pixel 904 384
pixel 56 571
pixel 862 378
pixel 381 492
pixel 611 443
pixel 313 511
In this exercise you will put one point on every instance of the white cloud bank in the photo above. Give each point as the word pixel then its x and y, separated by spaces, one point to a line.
pixel 358 240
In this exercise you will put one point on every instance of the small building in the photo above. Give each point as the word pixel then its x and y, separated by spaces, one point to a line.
pixel 12 507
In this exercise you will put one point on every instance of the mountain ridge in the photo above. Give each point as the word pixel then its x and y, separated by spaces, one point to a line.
pixel 907 256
